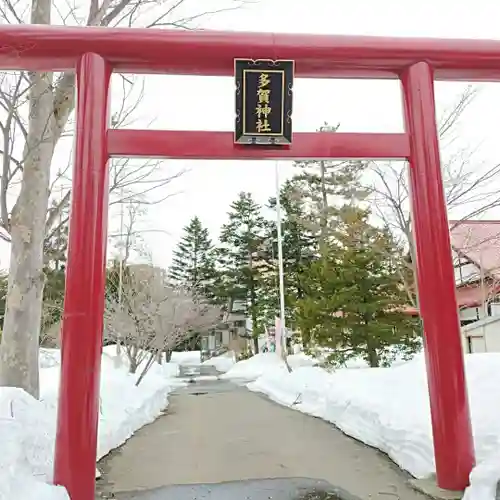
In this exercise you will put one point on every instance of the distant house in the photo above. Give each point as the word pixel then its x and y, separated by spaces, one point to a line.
pixel 230 334
pixel 476 260
pixel 477 273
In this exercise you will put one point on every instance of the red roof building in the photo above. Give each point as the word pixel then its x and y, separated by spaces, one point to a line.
pixel 476 258
pixel 476 248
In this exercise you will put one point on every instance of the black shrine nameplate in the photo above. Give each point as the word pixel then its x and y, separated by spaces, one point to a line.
pixel 263 101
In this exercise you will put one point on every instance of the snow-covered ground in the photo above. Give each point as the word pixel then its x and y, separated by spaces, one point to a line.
pixel 387 408
pixel 27 426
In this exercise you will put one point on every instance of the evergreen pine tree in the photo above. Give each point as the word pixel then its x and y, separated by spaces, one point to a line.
pixel 55 248
pixel 242 240
pixel 323 183
pixel 193 260
pixel 323 187
pixel 354 299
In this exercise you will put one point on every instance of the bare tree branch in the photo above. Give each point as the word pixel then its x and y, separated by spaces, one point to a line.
pixel 466 184
pixel 35 114
pixel 153 317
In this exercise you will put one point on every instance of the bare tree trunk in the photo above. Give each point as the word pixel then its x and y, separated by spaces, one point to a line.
pixel 484 292
pixel 372 354
pixel 373 359
pixel 284 356
pixel 118 359
pixel 50 107
pixel 159 357
pixel 20 338
pixel 147 366
pixel 324 209
pixel 168 355
pixel 132 365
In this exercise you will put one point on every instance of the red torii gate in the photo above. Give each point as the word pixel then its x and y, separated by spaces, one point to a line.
pixel 96 52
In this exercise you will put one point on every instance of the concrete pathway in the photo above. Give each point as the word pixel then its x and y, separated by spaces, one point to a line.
pixel 215 431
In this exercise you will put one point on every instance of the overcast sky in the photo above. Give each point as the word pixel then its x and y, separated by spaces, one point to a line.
pixel 360 106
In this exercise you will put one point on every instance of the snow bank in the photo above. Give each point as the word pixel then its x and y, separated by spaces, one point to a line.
pixel 121 361
pixel 300 359
pixel 186 358
pixel 221 363
pixel 27 426
pixel 388 408
pixel 254 367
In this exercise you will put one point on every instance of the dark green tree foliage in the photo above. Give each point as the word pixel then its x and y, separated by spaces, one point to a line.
pixel 56 242
pixel 55 248
pixel 113 279
pixel 193 263
pixel 53 296
pixel 3 292
pixel 242 240
pixel 354 300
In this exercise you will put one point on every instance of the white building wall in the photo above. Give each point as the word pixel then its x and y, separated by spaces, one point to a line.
pixel 477 344
pixel 483 335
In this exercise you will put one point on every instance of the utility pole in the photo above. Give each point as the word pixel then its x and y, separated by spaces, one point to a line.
pixel 120 271
pixel 282 332
pixel 120 267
